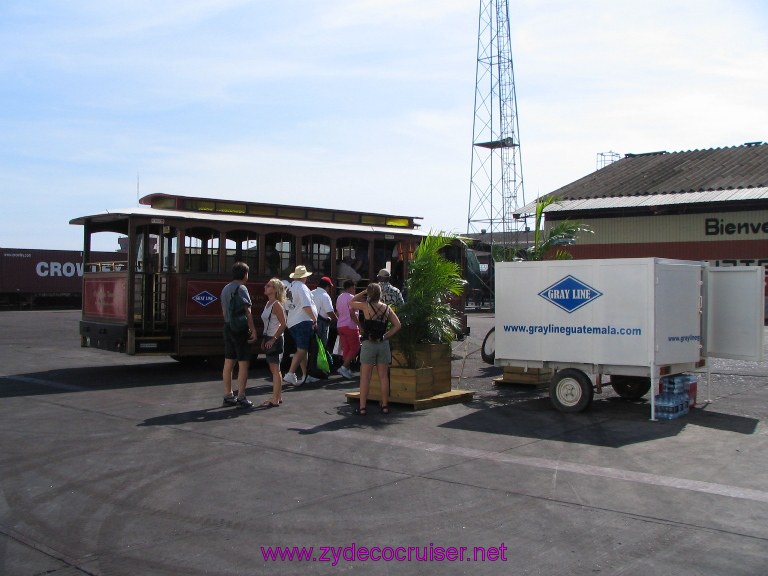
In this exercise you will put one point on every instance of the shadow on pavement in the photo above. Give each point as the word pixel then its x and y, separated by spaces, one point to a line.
pixel 199 416
pixel 102 378
pixel 611 422
pixel 348 420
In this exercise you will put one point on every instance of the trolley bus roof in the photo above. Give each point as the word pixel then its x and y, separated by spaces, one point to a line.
pixel 161 216
pixel 163 207
pixel 282 211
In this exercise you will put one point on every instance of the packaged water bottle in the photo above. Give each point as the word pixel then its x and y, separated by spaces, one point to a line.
pixel 662 406
pixel 674 406
pixel 672 384
pixel 677 383
pixel 659 406
pixel 679 403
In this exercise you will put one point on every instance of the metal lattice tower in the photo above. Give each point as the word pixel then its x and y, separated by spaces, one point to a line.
pixel 496 187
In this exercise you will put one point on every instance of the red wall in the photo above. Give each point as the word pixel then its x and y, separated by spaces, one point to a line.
pixel 745 252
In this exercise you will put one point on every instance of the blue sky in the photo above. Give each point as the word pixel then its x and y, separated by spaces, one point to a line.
pixel 361 104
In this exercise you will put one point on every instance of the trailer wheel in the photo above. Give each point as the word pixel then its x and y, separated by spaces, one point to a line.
pixel 570 390
pixel 488 350
pixel 631 387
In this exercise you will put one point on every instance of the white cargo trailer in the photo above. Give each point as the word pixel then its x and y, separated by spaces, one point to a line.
pixel 633 319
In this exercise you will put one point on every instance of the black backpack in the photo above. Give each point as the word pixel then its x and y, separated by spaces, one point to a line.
pixel 238 320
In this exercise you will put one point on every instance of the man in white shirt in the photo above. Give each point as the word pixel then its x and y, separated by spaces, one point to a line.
pixel 302 319
pixel 325 312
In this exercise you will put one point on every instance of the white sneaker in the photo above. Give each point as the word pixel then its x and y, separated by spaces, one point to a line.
pixel 344 371
pixel 311 380
pixel 290 378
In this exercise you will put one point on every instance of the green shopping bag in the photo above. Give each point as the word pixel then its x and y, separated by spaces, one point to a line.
pixel 319 361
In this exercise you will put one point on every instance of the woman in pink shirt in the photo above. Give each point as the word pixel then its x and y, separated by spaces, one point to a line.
pixel 348 329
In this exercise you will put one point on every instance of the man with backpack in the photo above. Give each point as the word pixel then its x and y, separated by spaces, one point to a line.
pixel 239 334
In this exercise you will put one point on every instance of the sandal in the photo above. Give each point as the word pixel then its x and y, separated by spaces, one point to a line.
pixel 384 409
pixel 361 411
pixel 269 404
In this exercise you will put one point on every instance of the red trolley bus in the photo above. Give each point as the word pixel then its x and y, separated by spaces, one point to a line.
pixel 161 294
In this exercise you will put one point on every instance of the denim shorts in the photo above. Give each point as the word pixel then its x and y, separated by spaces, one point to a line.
pixel 373 352
pixel 302 332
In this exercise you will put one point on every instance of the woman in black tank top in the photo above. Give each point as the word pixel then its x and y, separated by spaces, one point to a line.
pixel 375 327
pixel 380 323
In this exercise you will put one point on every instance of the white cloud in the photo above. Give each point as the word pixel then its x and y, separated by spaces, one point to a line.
pixel 348 102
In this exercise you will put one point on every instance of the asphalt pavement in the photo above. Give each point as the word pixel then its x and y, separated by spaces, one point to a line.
pixel 119 465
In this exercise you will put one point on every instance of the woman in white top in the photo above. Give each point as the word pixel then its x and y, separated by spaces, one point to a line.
pixel 273 318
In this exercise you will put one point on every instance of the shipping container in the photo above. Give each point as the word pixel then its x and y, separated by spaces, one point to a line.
pixel 34 278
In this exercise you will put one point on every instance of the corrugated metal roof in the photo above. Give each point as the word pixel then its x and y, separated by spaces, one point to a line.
pixel 649 200
pixel 668 178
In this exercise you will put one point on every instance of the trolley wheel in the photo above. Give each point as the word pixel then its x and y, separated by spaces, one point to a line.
pixel 570 390
pixel 631 387
pixel 488 351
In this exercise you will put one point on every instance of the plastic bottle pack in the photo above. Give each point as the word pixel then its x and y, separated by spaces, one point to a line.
pixel 671 406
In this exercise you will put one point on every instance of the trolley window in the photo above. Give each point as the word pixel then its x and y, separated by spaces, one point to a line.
pixel 316 254
pixel 279 254
pixel 352 259
pixel 201 248
pixel 242 246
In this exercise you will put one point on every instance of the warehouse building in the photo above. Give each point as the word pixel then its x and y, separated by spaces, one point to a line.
pixel 696 205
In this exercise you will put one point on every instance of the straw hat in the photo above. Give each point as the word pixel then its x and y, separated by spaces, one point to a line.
pixel 300 272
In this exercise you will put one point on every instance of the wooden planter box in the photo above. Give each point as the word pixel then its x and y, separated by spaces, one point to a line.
pixel 438 356
pixel 424 387
pixel 406 385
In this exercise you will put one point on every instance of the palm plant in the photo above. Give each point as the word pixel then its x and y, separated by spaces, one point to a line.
pixel 427 316
pixel 545 247
pixel 546 243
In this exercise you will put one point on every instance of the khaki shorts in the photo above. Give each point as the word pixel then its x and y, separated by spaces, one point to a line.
pixel 375 352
